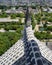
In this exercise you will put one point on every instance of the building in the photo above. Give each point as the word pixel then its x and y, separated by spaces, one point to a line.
pixel 16 2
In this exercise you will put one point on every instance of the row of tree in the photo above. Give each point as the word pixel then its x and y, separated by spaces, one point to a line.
pixel 13 16
pixel 43 35
pixel 33 23
pixel 21 15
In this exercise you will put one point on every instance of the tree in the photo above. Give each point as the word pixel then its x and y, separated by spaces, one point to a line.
pixel 13 16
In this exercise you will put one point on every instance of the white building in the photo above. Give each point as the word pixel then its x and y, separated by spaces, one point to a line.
pixel 16 2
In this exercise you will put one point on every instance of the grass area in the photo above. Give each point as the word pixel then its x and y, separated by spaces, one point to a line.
pixel 33 23
pixel 11 25
pixel 13 16
pixel 21 15
pixel 43 35
pixel 7 39
pixel 3 15
pixel 47 16
pixel 49 28
pixel 45 28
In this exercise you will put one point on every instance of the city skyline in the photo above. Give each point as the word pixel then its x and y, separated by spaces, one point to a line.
pixel 15 2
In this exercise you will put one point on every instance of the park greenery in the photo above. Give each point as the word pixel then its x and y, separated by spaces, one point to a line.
pixel 13 15
pixel 3 15
pixel 49 28
pixel 33 23
pixel 43 35
pixel 7 38
pixel 9 7
pixel 47 17
pixel 43 16
pixel 21 15
pixel 11 25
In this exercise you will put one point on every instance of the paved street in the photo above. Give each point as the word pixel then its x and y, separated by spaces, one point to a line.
pixel 11 20
pixel 49 45
pixel 8 20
